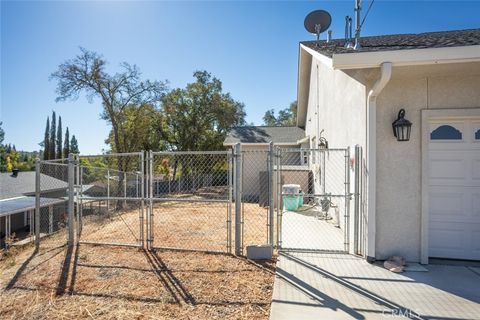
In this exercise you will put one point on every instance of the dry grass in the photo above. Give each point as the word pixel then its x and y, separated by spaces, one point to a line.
pixel 104 282
pixel 185 225
pixel 124 283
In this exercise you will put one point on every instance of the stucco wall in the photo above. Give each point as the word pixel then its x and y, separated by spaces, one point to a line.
pixel 336 105
pixel 341 99
pixel 398 207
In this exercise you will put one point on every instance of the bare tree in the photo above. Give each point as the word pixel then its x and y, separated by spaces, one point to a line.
pixel 86 73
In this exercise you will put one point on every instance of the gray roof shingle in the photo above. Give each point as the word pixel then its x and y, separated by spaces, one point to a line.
pixel 264 134
pixel 456 38
pixel 24 184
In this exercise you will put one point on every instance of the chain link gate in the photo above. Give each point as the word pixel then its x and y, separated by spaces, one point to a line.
pixel 313 197
pixel 109 198
pixel 190 200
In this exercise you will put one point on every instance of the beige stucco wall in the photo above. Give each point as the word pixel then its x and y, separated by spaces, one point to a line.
pixel 337 105
pixel 341 99
pixel 398 208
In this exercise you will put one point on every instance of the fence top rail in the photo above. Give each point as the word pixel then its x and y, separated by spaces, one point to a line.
pixel 109 169
pixel 126 154
pixel 53 163
pixel 54 160
pixel 190 152
pixel 311 150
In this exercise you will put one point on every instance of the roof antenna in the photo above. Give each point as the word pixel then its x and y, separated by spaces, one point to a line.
pixel 348 33
pixel 317 22
pixel 358 8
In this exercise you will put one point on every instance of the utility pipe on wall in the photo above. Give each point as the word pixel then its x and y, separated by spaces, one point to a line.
pixel 385 75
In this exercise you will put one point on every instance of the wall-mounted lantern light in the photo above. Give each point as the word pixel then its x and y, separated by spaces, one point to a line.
pixel 401 127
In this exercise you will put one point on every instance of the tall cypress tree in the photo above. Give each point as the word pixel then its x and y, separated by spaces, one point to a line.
pixel 74 145
pixel 66 146
pixel 46 141
pixel 53 133
pixel 59 139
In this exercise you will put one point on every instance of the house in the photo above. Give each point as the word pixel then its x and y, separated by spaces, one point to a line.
pixel 17 203
pixel 423 195
pixel 255 142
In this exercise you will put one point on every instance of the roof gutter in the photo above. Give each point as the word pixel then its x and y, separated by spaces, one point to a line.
pixel 229 144
pixel 303 140
pixel 385 75
pixel 373 59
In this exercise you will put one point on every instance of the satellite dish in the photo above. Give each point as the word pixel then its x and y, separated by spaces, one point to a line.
pixel 317 22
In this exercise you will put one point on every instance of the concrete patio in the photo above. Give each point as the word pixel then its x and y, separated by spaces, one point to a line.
pixel 303 230
pixel 341 286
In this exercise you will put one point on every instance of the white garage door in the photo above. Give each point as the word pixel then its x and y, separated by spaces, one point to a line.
pixel 454 189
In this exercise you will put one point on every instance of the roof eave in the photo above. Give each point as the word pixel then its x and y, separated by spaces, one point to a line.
pixel 303 80
pixel 362 60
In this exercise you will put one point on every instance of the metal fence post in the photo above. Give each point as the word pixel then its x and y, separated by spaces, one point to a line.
pixel 279 197
pixel 347 199
pixel 271 159
pixel 36 221
pixel 71 191
pixel 142 201
pixel 238 199
pixel 356 209
pixel 150 217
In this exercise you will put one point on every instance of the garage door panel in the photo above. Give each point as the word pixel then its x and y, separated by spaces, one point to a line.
pixel 447 204
pixel 447 169
pixel 447 236
pixel 454 195
pixel 476 169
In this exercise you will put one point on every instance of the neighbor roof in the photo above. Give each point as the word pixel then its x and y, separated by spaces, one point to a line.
pixel 24 184
pixel 456 38
pixel 22 204
pixel 264 134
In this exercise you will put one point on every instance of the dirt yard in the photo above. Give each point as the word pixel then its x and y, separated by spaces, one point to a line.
pixel 176 224
pixel 105 282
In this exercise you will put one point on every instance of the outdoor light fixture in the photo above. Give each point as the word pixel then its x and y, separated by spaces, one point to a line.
pixel 401 127
pixel 323 143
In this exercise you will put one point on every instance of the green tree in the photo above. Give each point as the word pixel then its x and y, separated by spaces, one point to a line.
pixel 53 140
pixel 286 117
pixel 3 154
pixel 2 134
pixel 66 146
pixel 199 116
pixel 74 145
pixel 140 129
pixel 59 139
pixel 86 74
pixel 46 141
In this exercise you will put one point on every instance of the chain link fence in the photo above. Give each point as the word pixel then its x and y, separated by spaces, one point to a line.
pixel 110 199
pixel 313 192
pixel 190 200
pixel 256 194
pixel 292 199
pixel 51 220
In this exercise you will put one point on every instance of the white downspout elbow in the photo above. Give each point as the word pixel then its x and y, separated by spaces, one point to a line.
pixel 385 75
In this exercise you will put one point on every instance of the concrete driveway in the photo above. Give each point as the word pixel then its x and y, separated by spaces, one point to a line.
pixel 341 286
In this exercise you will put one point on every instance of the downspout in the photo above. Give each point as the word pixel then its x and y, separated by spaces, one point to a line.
pixel 385 74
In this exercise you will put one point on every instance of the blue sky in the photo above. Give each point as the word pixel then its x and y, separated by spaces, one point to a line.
pixel 251 46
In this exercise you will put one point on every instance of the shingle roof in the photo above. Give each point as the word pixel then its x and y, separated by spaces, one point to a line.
pixel 456 38
pixel 264 134
pixel 22 204
pixel 24 184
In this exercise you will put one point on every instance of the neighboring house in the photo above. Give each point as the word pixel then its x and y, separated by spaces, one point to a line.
pixel 17 202
pixel 423 194
pixel 255 142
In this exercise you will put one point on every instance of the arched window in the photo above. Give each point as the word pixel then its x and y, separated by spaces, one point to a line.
pixel 446 132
